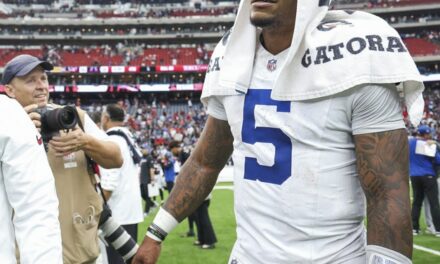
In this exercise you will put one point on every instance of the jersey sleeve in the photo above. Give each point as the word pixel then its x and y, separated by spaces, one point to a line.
pixel 215 108
pixel 30 187
pixel 376 108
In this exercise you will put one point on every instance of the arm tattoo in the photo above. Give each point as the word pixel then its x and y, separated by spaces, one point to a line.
pixel 382 161
pixel 199 174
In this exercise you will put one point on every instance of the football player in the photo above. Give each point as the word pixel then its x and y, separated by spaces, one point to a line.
pixel 305 99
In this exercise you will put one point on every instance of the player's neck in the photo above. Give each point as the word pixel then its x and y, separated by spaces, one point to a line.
pixel 112 124
pixel 276 41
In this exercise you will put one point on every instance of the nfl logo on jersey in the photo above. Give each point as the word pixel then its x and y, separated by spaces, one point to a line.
pixel 272 65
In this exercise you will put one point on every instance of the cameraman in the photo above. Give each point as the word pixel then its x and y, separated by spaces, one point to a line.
pixel 27 191
pixel 80 206
pixel 121 186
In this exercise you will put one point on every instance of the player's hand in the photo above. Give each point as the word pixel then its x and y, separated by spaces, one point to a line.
pixel 148 252
pixel 34 116
pixel 70 142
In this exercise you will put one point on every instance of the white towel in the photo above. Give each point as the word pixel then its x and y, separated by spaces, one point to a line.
pixel 331 51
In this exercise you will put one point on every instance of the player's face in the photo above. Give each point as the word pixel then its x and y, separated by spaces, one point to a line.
pixel 273 13
pixel 32 88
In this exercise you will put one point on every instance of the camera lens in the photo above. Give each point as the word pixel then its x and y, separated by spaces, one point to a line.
pixel 117 236
pixel 61 118
pixel 67 117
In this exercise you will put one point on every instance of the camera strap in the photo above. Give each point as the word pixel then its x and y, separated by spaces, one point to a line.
pixel 135 152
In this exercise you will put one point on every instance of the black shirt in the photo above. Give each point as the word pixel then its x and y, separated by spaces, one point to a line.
pixel 146 165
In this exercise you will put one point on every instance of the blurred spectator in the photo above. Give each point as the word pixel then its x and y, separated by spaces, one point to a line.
pixel 182 155
pixel 167 163
pixel 423 176
pixel 146 178
pixel 206 237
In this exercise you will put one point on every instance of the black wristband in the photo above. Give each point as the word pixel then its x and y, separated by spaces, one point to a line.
pixel 157 232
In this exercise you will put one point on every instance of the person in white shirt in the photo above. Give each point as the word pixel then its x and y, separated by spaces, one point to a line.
pixel 121 186
pixel 70 154
pixel 28 201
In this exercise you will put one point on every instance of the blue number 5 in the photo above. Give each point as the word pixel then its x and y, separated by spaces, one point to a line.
pixel 251 134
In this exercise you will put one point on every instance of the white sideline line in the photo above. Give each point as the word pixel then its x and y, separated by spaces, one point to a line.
pixel 432 251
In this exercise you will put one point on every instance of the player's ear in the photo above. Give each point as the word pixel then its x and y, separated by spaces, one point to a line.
pixel 10 90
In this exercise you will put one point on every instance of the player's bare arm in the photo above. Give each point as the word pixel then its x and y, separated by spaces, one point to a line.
pixel 196 179
pixel 382 161
pixel 199 173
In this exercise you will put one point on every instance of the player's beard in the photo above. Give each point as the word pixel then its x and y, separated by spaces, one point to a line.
pixel 262 22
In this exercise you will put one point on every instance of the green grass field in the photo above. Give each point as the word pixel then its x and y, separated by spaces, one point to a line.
pixel 180 250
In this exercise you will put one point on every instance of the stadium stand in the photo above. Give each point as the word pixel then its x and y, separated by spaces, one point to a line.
pixel 120 9
pixel 418 47
pixel 101 56
pixel 383 3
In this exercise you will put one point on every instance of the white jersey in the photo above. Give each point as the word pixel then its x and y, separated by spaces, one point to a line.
pixel 298 197
pixel 126 200
pixel 27 191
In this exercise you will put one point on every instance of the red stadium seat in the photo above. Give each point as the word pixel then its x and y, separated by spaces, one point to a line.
pixel 421 47
pixel 150 57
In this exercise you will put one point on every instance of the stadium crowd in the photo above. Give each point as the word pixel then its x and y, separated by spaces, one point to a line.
pixel 413 18
pixel 121 30
pixel 118 54
pixel 171 12
pixel 429 69
pixel 430 35
pixel 432 110
pixel 156 123
pixel 127 9
pixel 422 42
pixel 385 3
pixel 370 3
pixel 176 8
pixel 106 2
pixel 129 79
